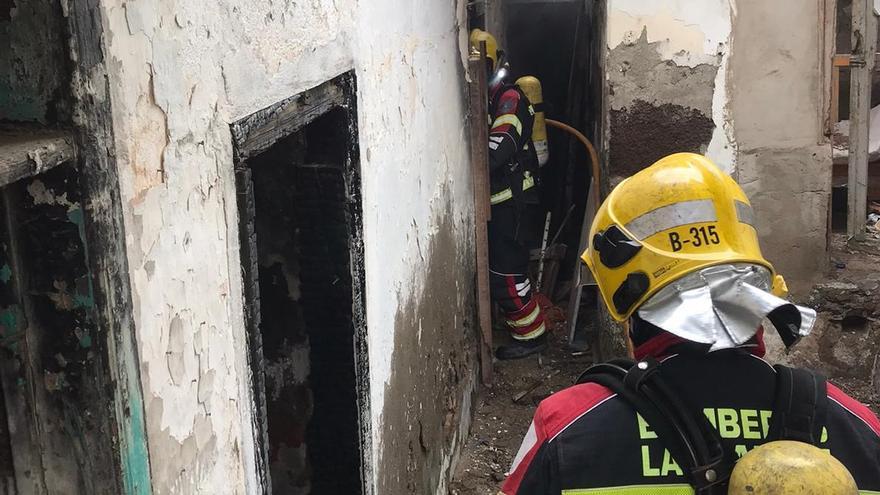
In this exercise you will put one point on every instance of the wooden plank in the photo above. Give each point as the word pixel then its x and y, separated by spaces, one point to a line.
pixel 250 272
pixel 582 276
pixel 840 176
pixel 828 28
pixel 844 60
pixel 26 151
pixel 864 42
pixel 259 131
pixel 16 369
pixel 67 446
pixel 840 60
pixel 354 193
pixel 108 262
pixel 479 142
pixel 834 112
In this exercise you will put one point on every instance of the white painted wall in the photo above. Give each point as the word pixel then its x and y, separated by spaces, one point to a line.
pixel 412 156
pixel 180 73
pixel 688 33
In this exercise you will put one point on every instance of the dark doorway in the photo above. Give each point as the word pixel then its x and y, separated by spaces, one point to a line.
pixel 300 221
pixel 554 40
pixel 70 418
pixel 57 430
pixel 559 42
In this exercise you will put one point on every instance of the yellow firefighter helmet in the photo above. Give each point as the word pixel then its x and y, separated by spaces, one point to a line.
pixel 790 468
pixel 678 216
pixel 477 36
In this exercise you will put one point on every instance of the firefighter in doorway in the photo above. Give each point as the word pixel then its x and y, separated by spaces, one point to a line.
pixel 674 251
pixel 515 225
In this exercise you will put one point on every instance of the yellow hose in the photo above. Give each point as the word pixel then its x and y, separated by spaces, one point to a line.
pixel 591 150
pixel 594 183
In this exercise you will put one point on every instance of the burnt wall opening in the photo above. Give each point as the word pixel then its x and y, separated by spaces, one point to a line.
pixel 54 378
pixel 300 212
pixel 58 423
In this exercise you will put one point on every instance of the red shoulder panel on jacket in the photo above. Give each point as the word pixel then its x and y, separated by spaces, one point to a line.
pixel 562 408
pixel 855 407
pixel 508 101
pixel 554 414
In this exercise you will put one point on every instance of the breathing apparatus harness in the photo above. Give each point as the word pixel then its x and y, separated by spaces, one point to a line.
pixel 799 413
pixel 525 160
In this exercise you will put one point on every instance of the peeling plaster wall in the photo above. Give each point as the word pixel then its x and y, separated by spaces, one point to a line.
pixel 784 158
pixel 667 81
pixel 741 81
pixel 180 73
pixel 417 217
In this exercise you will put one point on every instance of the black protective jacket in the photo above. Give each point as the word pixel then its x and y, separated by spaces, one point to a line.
pixel 513 163
pixel 586 440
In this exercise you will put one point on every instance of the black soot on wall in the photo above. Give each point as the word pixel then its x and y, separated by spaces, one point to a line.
pixel 301 219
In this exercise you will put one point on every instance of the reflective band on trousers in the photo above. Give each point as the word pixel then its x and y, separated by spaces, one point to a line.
pixel 508 119
pixel 527 319
pixel 531 335
pixel 502 196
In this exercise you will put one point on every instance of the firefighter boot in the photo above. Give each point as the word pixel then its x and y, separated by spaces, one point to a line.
pixel 519 349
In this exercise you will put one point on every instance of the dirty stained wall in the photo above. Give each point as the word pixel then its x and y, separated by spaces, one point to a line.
pixel 52 361
pixel 784 158
pixel 417 216
pixel 667 86
pixel 180 74
pixel 721 77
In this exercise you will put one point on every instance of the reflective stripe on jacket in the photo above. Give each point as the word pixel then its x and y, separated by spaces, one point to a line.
pixel 511 153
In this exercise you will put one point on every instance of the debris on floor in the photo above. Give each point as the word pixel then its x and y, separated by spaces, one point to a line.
pixel 505 410
pixel 845 343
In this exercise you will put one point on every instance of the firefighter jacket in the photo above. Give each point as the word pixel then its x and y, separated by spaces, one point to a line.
pixel 586 440
pixel 513 162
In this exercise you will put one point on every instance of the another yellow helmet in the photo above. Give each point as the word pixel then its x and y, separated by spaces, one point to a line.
pixel 790 468
pixel 477 36
pixel 680 215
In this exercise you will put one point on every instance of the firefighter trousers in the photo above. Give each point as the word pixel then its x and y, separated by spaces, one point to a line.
pixel 513 232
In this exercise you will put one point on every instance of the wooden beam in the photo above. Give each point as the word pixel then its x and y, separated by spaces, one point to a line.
pixel 835 99
pixel 479 141
pixel 257 133
pixel 843 60
pixel 864 42
pixel 26 151
pixel 828 28
pixel 840 60
pixel 108 262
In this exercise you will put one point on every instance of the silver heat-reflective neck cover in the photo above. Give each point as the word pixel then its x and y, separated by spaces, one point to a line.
pixel 723 306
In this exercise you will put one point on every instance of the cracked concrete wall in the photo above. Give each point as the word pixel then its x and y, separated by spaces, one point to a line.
pixel 784 159
pixel 667 86
pixel 738 80
pixel 180 73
